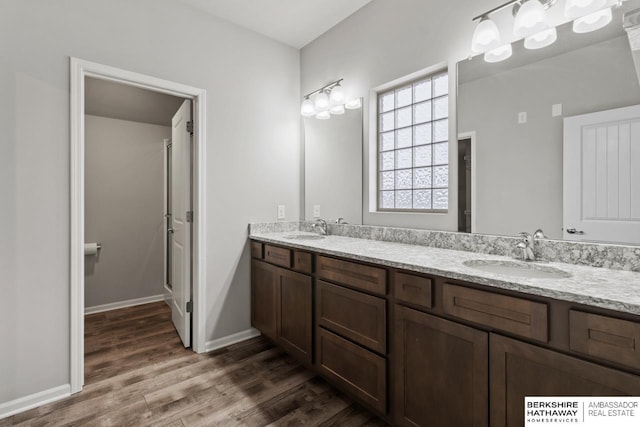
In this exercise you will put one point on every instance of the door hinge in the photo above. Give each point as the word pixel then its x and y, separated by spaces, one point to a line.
pixel 190 127
pixel 189 216
pixel 190 307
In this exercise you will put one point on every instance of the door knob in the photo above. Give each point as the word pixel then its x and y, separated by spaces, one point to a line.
pixel 170 230
pixel 574 231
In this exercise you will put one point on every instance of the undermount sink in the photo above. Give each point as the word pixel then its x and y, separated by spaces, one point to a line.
pixel 514 268
pixel 304 237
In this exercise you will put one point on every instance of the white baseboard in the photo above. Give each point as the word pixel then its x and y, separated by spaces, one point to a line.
pixel 34 400
pixel 231 339
pixel 123 304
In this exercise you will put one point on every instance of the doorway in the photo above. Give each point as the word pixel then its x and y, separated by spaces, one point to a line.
pixel 466 183
pixel 81 69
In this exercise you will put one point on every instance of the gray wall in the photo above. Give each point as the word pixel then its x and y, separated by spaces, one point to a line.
pixel 253 156
pixel 124 208
pixel 384 41
pixel 519 166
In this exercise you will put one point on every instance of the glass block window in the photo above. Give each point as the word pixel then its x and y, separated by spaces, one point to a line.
pixel 413 145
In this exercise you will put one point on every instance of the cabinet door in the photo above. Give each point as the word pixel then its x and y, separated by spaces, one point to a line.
pixel 294 314
pixel 264 297
pixel 519 369
pixel 440 372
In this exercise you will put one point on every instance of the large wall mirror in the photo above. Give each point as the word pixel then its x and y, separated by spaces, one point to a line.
pixel 333 167
pixel 516 114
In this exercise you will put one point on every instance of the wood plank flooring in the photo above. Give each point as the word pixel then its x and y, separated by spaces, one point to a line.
pixel 137 373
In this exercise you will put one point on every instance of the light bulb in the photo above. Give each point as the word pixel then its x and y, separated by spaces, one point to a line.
pixel 321 102
pixel 337 109
pixel 485 37
pixel 337 95
pixel 323 115
pixel 592 22
pixel 498 54
pixel 531 19
pixel 353 104
pixel 307 109
pixel 578 8
pixel 542 39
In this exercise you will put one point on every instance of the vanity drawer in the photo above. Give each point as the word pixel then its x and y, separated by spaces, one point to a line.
pixel 519 316
pixel 352 314
pixel 605 337
pixel 355 369
pixel 359 276
pixel 302 262
pixel 278 256
pixel 256 250
pixel 412 289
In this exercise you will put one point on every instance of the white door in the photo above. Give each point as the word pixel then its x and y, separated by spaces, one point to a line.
pixel 180 230
pixel 601 171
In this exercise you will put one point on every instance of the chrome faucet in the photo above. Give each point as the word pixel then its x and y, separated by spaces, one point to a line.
pixel 528 244
pixel 320 226
pixel 341 221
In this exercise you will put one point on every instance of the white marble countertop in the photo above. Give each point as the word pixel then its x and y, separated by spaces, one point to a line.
pixel 600 287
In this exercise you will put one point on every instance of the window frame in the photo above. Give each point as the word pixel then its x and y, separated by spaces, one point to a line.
pixel 394 86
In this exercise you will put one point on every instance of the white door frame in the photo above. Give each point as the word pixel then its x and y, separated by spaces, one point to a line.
pixel 472 137
pixel 79 70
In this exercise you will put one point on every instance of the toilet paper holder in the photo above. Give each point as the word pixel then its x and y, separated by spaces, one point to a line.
pixel 92 249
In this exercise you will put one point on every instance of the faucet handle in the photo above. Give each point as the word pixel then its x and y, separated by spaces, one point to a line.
pixel 539 234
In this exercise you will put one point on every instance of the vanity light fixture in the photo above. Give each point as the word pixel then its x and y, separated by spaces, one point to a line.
pixel 337 96
pixel 593 21
pixel 321 101
pixel 327 101
pixel 307 109
pixel 499 54
pixel 542 39
pixel 577 8
pixel 353 104
pixel 531 18
pixel 532 24
pixel 486 36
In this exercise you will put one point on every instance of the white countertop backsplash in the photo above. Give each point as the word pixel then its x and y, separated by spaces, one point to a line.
pixel 615 289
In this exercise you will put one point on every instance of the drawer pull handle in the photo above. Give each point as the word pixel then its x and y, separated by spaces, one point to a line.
pixel 611 339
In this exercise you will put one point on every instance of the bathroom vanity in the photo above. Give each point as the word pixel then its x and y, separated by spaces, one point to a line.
pixel 421 338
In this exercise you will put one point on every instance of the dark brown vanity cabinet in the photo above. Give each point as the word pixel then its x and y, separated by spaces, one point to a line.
pixel 463 371
pixel 281 305
pixel 351 341
pixel 424 350
pixel 519 369
pixel 264 298
pixel 441 372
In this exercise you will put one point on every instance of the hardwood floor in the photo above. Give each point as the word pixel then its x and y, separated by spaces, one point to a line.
pixel 137 373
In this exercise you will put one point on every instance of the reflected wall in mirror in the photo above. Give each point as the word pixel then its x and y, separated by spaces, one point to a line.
pixel 516 111
pixel 333 167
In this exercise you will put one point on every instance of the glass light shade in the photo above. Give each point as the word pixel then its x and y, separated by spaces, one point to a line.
pixel 592 22
pixel 323 115
pixel 321 102
pixel 531 19
pixel 578 8
pixel 485 37
pixel 542 39
pixel 337 95
pixel 337 109
pixel 307 109
pixel 352 104
pixel 498 54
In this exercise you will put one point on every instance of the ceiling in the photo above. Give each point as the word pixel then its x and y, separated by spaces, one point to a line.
pixel 293 22
pixel 119 101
